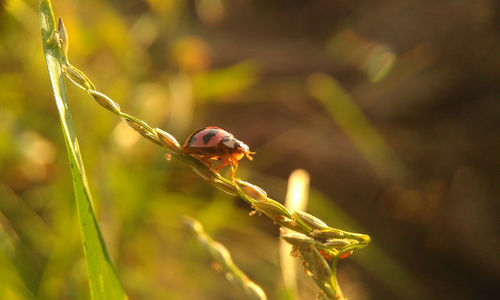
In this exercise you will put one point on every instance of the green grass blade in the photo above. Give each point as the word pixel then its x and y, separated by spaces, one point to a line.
pixel 104 283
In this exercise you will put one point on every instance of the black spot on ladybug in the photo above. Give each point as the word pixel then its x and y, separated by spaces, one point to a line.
pixel 209 135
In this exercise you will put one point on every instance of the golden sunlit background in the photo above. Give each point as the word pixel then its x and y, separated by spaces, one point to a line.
pixel 392 108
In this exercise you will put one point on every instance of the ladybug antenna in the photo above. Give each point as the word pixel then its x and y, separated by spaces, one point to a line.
pixel 247 154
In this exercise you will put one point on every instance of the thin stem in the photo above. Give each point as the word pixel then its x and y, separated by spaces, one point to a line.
pixel 316 242
pixel 333 279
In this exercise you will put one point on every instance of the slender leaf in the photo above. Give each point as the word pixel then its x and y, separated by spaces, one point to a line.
pixel 104 283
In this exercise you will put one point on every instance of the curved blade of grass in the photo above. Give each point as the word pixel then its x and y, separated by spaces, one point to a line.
pixel 104 283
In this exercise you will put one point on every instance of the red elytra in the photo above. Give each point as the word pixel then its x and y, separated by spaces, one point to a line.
pixel 218 144
pixel 207 137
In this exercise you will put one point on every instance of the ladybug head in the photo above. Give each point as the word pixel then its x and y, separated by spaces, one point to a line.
pixel 237 148
pixel 243 150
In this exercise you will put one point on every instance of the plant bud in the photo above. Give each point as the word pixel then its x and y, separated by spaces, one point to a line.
pixel 316 266
pixel 309 220
pixel 63 37
pixel 225 187
pixel 141 128
pixel 78 77
pixel 298 240
pixel 320 265
pixel 105 101
pixel 272 209
pixel 167 140
pixel 337 243
pixel 328 233
pixel 252 191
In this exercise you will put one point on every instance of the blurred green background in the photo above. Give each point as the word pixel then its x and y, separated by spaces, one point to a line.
pixel 391 106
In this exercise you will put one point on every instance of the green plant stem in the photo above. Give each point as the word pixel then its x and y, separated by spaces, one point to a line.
pixel 333 279
pixel 316 234
pixel 222 256
pixel 103 280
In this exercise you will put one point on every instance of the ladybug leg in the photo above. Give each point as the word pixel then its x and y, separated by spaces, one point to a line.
pixel 207 161
pixel 226 161
pixel 234 166
pixel 222 166
pixel 230 160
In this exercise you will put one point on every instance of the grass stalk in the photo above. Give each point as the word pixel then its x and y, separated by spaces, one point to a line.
pixel 103 280
pixel 317 244
pixel 224 261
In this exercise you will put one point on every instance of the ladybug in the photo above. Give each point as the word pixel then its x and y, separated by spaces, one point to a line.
pixel 216 143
